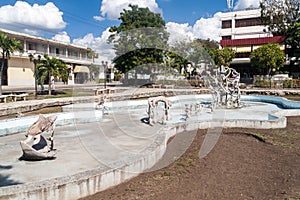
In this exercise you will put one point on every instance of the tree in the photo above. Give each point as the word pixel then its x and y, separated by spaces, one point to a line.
pixel 140 38
pixel 222 57
pixel 278 15
pixel 7 46
pixel 48 67
pixel 193 52
pixel 94 71
pixel 267 57
pixel 293 43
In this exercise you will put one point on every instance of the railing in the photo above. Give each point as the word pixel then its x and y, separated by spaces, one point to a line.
pixel 62 56
pixel 275 82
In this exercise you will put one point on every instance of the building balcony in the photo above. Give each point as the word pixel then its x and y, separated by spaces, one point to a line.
pixel 252 41
pixel 66 58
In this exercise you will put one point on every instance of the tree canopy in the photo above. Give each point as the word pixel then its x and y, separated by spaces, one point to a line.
pixel 7 46
pixel 278 15
pixel 140 38
pixel 222 57
pixel 51 66
pixel 267 57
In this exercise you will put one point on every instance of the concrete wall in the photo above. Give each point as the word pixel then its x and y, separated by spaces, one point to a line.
pixel 20 72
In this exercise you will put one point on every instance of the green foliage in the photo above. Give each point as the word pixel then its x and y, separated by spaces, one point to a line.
pixel 194 53
pixel 278 15
pixel 140 38
pixel 293 38
pixel 94 71
pixel 222 57
pixel 267 57
pixel 7 46
pixel 48 67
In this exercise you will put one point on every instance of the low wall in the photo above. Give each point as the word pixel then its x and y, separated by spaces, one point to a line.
pixel 9 126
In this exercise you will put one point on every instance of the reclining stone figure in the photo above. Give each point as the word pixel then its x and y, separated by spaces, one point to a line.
pixel 41 148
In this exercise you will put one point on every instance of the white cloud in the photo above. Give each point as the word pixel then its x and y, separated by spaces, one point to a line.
pixel 243 4
pixel 111 8
pixel 204 28
pixel 35 19
pixel 98 18
pixel 179 32
pixel 208 28
pixel 98 44
pixel 62 37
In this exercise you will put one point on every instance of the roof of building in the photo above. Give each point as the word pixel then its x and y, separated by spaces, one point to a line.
pixel 18 34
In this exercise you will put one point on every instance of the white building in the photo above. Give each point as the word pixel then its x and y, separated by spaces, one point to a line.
pixel 243 32
pixel 19 69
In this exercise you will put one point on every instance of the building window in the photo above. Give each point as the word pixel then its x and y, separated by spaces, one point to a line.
pixel 243 55
pixel 30 46
pixel 226 24
pixel 227 37
pixel 57 51
pixel 248 22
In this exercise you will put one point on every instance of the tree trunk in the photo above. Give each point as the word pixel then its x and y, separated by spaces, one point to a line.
pixel 1 75
pixel 49 84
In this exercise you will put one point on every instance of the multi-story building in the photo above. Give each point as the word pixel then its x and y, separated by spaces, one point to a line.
pixel 243 32
pixel 19 69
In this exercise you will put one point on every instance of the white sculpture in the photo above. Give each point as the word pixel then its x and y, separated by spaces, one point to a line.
pixel 41 148
pixel 153 109
pixel 225 88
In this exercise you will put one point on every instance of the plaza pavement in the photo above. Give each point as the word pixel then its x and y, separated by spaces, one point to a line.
pixel 110 144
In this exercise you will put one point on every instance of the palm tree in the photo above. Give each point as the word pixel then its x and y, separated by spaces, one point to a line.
pixel 48 67
pixel 7 46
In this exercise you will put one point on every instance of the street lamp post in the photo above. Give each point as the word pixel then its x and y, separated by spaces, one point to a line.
pixel 35 62
pixel 105 68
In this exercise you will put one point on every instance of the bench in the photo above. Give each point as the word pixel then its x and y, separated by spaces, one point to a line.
pixel 156 86
pixel 3 98
pixel 168 86
pixel 21 96
pixel 14 97
pixel 103 91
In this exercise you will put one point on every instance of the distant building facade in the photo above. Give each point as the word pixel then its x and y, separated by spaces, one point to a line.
pixel 244 32
pixel 19 70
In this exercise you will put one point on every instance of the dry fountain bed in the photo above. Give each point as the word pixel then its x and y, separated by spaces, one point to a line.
pixel 245 164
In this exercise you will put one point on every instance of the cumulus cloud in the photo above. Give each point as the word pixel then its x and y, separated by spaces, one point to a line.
pixel 32 19
pixel 111 9
pixel 208 28
pixel 204 28
pixel 62 37
pixel 180 32
pixel 98 44
pixel 243 4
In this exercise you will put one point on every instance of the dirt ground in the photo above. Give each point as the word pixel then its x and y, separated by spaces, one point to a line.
pixel 245 164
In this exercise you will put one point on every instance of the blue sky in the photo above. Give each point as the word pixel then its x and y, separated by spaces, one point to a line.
pixel 86 22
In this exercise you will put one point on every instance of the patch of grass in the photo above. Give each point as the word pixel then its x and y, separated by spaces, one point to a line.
pixel 258 136
pixel 166 174
pixel 181 164
pixel 46 110
pixel 296 197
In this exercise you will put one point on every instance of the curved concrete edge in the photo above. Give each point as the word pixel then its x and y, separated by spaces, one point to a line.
pixel 281 101
pixel 8 127
pixel 96 180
